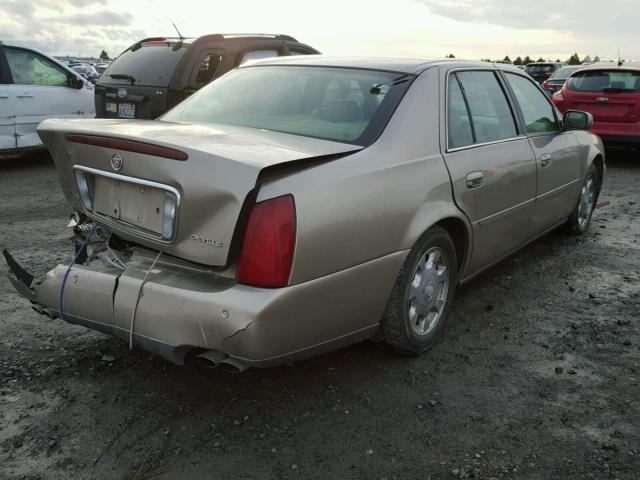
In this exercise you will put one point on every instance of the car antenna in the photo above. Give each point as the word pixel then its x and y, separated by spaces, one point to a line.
pixel 620 62
pixel 179 34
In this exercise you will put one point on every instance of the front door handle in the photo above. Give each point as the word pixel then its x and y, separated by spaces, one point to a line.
pixel 24 95
pixel 4 95
pixel 474 179
pixel 545 160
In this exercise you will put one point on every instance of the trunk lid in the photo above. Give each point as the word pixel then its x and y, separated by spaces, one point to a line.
pixel 124 175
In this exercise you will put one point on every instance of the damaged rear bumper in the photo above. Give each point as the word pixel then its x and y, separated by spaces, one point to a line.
pixel 182 308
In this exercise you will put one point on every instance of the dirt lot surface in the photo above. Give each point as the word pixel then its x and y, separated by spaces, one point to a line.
pixel 537 377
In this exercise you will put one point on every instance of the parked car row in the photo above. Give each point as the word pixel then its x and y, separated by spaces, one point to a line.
pixel 145 81
pixel 87 71
pixel 541 71
pixel 557 78
pixel 155 74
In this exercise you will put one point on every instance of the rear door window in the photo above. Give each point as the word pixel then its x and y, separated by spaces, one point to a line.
pixel 539 114
pixel 603 81
pixel 258 54
pixel 299 51
pixel 206 69
pixel 29 68
pixel 152 64
pixel 491 115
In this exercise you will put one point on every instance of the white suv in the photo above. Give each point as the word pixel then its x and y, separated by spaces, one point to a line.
pixel 34 87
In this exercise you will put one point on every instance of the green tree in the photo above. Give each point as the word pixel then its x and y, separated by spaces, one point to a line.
pixel 104 55
pixel 518 61
pixel 506 59
pixel 541 60
pixel 451 55
pixel 596 59
pixel 485 59
pixel 527 60
pixel 558 60
pixel 574 59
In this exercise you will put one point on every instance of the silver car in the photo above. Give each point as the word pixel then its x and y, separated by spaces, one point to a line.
pixel 297 205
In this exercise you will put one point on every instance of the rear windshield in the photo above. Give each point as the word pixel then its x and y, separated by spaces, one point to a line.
pixel 539 68
pixel 151 64
pixel 605 81
pixel 564 72
pixel 340 104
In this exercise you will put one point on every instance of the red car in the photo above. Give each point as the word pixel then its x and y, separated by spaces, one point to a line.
pixel 612 95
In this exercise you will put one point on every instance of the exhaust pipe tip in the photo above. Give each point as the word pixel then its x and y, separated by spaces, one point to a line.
pixel 215 359
pixel 207 363
pixel 233 366
pixel 211 358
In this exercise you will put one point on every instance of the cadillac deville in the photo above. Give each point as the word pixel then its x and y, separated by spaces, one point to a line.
pixel 301 204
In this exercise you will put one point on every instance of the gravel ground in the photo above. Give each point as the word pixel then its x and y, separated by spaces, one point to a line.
pixel 537 377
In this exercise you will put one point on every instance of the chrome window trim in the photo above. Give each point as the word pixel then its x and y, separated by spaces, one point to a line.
pixel 512 107
pixel 484 144
pixel 126 227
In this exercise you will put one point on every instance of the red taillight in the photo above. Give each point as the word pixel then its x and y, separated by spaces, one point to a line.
pixel 269 241
pixel 557 97
pixel 545 84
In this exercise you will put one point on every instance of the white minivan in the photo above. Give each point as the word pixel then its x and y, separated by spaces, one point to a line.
pixel 34 87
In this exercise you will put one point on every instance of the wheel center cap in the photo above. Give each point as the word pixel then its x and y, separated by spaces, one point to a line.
pixel 429 290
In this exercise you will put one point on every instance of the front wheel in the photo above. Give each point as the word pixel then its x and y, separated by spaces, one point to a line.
pixel 579 220
pixel 422 295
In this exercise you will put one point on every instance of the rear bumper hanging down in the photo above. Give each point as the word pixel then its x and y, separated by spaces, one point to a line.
pixel 181 308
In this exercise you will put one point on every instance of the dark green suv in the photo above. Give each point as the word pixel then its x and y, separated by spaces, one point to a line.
pixel 155 74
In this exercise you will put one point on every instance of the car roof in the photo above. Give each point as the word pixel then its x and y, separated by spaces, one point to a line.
pixel 4 43
pixel 612 66
pixel 222 37
pixel 394 64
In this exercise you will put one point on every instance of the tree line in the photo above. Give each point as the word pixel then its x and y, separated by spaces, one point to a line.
pixel 572 60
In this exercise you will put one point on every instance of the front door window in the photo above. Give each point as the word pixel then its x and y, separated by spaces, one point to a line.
pixel 29 68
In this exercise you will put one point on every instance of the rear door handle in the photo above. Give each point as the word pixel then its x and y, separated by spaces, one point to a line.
pixel 24 95
pixel 474 179
pixel 4 95
pixel 545 160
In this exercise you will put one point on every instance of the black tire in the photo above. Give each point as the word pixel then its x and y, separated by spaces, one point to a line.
pixel 575 225
pixel 396 328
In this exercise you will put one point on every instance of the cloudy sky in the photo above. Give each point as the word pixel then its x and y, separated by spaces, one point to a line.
pixel 468 28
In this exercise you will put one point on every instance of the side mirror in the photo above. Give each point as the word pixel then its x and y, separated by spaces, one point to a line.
pixel 77 82
pixel 576 120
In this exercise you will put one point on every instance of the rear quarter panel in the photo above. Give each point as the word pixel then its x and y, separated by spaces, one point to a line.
pixel 374 202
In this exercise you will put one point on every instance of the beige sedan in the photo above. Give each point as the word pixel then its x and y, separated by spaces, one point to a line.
pixel 297 205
